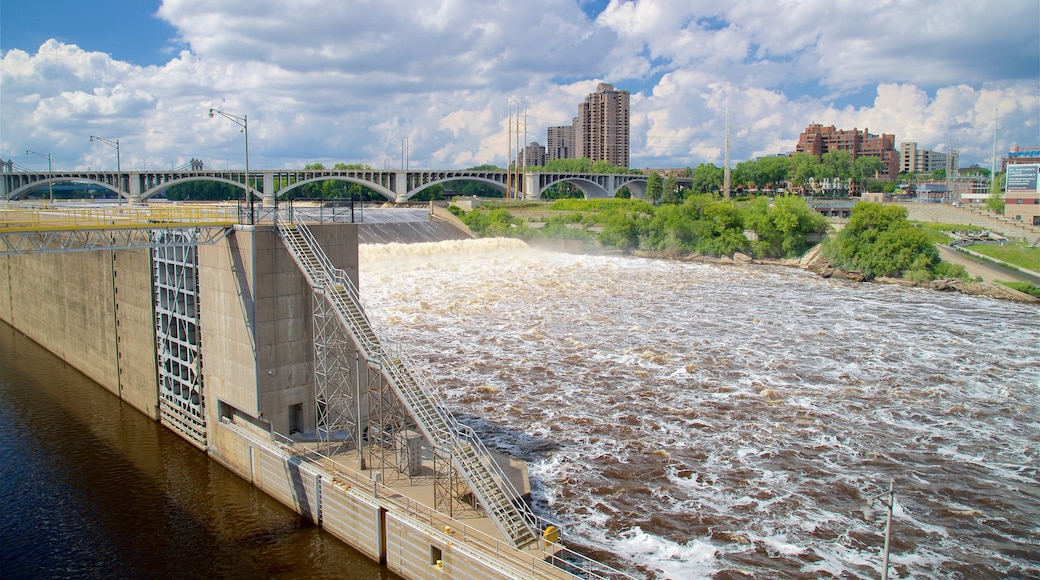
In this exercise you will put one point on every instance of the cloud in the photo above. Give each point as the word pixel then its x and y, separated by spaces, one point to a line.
pixel 349 81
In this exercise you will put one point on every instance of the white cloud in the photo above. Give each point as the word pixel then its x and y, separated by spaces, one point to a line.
pixel 347 81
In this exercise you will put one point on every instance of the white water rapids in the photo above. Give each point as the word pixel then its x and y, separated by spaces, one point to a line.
pixel 689 420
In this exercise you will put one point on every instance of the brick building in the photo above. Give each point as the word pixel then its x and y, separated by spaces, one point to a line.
pixel 817 140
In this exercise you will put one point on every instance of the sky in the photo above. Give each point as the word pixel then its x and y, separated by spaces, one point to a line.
pixel 378 81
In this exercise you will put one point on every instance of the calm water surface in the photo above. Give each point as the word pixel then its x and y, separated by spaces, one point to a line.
pixel 91 488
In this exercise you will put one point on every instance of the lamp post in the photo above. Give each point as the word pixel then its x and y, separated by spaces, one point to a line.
pixel 243 122
pixel 868 514
pixel 119 168
pixel 47 156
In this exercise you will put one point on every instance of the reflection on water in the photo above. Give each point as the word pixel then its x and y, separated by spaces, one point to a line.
pixel 694 420
pixel 90 488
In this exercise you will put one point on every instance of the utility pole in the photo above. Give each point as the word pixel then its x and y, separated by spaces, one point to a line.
pixel 725 172
pixel 993 159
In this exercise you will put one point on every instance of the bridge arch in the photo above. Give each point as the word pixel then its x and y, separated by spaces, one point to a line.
pixel 25 190
pixel 494 184
pixel 593 189
pixel 362 182
pixel 152 192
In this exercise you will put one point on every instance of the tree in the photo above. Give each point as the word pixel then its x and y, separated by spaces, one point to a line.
pixel 865 168
pixel 562 190
pixel 995 202
pixel 654 188
pixel 880 241
pixel 836 163
pixel 771 171
pixel 670 190
pixel 802 167
pixel 432 193
pixel 743 175
pixel 707 178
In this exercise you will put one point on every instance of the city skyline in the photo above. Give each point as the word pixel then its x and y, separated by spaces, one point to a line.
pixel 352 83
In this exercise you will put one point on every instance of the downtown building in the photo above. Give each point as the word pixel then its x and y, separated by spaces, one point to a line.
pixel 531 156
pixel 559 142
pixel 915 160
pixel 817 140
pixel 600 132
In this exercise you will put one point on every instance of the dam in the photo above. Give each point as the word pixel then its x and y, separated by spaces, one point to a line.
pixel 251 343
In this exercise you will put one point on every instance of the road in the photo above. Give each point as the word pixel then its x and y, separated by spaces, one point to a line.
pixel 988 271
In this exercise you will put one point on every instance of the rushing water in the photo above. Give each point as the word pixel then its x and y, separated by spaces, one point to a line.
pixel 91 488
pixel 689 420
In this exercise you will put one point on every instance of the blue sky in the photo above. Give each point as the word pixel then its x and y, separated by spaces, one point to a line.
pixel 125 29
pixel 350 80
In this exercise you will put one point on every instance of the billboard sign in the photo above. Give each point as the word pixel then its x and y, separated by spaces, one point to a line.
pixel 1023 178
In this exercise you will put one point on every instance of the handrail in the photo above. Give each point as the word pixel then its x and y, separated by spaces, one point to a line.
pixel 441 428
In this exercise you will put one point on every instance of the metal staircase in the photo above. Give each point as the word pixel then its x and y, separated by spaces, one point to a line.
pixel 469 456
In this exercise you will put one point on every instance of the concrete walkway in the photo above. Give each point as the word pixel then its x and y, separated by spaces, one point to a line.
pixel 947 214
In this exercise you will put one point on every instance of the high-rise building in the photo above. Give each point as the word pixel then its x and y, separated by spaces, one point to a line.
pixel 601 128
pixel 817 140
pixel 559 143
pixel 531 156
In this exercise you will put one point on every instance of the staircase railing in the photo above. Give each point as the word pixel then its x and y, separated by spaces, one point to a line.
pixel 441 427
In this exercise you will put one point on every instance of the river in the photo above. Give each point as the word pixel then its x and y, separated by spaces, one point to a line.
pixel 91 488
pixel 681 420
pixel 688 420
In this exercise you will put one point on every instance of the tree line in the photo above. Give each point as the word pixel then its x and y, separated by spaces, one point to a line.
pixel 702 224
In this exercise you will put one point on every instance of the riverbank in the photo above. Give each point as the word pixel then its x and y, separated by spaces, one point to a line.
pixel 815 262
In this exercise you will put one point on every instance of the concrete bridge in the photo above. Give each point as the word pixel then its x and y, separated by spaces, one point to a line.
pixel 270 184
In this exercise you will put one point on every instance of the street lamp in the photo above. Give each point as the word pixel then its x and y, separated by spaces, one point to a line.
pixel 47 156
pixel 243 122
pixel 119 169
pixel 868 514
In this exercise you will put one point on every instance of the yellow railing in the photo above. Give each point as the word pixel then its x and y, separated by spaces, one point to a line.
pixel 20 219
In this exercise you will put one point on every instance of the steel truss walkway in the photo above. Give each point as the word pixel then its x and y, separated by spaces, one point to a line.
pixel 42 230
pixel 454 445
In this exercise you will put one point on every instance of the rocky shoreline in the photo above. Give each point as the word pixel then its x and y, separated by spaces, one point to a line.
pixel 815 262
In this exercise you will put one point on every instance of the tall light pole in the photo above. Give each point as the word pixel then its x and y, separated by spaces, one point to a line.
pixel 509 160
pixel 47 156
pixel 243 122
pixel 887 499
pixel 119 168
pixel 405 146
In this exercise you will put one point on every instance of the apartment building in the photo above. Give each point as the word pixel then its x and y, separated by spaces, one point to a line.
pixel 559 142
pixel 531 156
pixel 817 140
pixel 602 127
